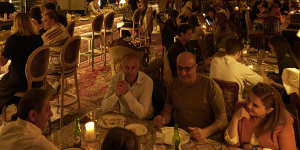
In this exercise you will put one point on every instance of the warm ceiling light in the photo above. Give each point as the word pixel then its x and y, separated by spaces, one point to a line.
pixel 298 34
pixel 123 2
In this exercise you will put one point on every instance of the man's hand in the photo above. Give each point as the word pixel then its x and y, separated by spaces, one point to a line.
pixel 198 133
pixel 159 121
pixel 122 88
pixel 240 114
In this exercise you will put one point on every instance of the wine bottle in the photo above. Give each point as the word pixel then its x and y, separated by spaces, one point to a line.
pixel 176 137
pixel 77 133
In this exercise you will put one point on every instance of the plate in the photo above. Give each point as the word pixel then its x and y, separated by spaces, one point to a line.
pixel 112 120
pixel 168 132
pixel 83 18
pixel 138 129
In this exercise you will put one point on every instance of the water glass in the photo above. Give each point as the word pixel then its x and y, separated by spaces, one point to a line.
pixel 260 56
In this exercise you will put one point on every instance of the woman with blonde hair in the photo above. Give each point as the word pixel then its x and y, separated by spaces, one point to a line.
pixel 17 49
pixel 263 124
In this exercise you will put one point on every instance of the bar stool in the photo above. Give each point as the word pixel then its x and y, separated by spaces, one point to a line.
pixel 91 36
pixel 68 68
pixel 108 31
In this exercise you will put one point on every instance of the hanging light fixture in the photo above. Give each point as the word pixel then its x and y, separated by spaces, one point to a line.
pixel 298 34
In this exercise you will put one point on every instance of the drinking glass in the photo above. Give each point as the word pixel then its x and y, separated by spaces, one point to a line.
pixel 260 56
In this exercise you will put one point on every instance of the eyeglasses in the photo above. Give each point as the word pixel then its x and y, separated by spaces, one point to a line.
pixel 186 69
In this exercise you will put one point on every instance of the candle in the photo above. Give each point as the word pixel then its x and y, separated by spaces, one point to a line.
pixel 204 26
pixel 204 14
pixel 245 52
pixel 90 134
pixel 236 8
pixel 251 67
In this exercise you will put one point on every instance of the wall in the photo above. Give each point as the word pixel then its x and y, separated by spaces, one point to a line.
pixel 71 4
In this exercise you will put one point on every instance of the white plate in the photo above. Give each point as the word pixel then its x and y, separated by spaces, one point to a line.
pixel 112 120
pixel 167 135
pixel 83 18
pixel 138 129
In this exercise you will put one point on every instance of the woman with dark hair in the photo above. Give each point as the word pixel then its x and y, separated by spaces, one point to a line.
pixel 17 49
pixel 281 48
pixel 264 123
pixel 120 139
pixel 35 14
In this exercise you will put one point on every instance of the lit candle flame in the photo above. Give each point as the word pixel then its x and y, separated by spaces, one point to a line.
pixel 204 14
pixel 236 8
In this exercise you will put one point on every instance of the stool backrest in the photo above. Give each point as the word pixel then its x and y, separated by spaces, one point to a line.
pixel 70 52
pixel 109 21
pixel 98 23
pixel 37 66
pixel 70 28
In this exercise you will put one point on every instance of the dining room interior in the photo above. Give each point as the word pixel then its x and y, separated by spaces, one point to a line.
pixel 149 74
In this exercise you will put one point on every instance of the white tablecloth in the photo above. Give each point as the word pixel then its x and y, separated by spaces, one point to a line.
pixel 290 80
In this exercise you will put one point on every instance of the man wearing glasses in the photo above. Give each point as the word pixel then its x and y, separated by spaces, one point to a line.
pixel 196 102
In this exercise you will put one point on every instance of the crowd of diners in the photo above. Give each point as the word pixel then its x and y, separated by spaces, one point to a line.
pixel 194 101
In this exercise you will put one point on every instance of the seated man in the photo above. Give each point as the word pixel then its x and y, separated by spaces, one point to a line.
pixel 185 34
pixel 55 36
pixel 52 6
pixel 94 8
pixel 229 69
pixel 34 112
pixel 196 102
pixel 131 89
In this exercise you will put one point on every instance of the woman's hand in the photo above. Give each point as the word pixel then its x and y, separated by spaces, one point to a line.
pixel 240 114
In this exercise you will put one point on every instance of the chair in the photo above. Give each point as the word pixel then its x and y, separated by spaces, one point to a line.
pixel 91 36
pixel 135 24
pixel 35 71
pixel 68 68
pixel 230 93
pixel 70 28
pixel 108 30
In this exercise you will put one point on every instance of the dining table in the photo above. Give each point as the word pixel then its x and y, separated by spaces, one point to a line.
pixel 63 137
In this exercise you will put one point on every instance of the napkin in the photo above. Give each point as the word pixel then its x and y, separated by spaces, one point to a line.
pixel 290 80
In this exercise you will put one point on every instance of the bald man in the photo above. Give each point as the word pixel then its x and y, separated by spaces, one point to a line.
pixel 131 89
pixel 196 102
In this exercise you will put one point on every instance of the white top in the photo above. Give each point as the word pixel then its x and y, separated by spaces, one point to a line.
pixel 228 69
pixel 138 99
pixel 23 135
pixel 94 8
pixel 290 80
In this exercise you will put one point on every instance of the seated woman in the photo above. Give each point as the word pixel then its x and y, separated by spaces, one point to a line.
pixel 35 14
pixel 120 139
pixel 264 123
pixel 17 48
pixel 94 7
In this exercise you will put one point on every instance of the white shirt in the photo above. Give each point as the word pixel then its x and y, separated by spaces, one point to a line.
pixel 138 99
pixel 228 69
pixel 23 135
pixel 94 8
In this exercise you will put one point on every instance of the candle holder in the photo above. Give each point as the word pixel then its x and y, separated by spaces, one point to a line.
pixel 90 133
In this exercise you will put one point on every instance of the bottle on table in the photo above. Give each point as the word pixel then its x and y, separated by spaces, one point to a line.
pixel 77 133
pixel 176 137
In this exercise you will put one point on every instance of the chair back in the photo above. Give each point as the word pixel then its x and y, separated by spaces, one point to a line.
pixel 136 17
pixel 98 23
pixel 271 25
pixel 70 28
pixel 248 21
pixel 230 93
pixel 69 54
pixel 109 21
pixel 37 65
